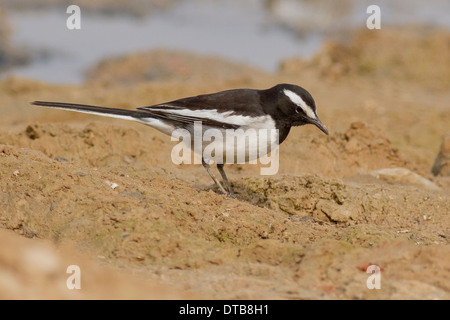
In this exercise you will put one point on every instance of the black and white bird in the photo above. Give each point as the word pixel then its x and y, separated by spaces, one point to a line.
pixel 280 107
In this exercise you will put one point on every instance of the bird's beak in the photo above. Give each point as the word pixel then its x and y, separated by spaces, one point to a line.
pixel 319 125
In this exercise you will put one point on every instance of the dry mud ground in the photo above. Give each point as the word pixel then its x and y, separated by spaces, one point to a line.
pixel 164 232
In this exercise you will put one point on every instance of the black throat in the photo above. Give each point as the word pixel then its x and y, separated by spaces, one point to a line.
pixel 268 101
pixel 284 131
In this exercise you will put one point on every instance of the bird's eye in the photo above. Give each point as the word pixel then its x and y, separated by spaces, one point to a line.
pixel 298 109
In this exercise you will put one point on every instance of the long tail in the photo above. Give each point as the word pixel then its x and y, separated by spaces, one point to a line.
pixel 109 112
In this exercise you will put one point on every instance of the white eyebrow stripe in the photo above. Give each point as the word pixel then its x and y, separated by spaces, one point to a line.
pixel 295 98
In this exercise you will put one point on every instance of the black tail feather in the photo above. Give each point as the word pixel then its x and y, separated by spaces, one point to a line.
pixel 91 109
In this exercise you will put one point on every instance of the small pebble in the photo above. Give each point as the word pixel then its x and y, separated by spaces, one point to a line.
pixel 60 159
pixel 113 185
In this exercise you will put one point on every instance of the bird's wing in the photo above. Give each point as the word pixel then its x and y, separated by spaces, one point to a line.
pixel 226 109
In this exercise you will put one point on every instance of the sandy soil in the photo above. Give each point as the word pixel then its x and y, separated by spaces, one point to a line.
pixel 309 232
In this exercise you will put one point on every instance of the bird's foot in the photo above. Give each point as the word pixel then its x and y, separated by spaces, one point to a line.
pixel 231 195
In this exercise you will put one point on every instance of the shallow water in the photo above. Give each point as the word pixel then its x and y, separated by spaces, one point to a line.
pixel 241 31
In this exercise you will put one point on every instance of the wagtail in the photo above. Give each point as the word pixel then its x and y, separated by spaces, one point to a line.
pixel 276 109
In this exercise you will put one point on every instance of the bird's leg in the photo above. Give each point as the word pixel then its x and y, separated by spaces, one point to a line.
pixel 208 168
pixel 225 179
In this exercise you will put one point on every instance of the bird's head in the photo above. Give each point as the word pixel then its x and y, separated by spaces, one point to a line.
pixel 298 106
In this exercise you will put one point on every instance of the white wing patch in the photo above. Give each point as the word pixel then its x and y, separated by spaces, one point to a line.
pixel 296 99
pixel 225 117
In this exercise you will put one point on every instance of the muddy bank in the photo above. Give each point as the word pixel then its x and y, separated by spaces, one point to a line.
pixel 104 191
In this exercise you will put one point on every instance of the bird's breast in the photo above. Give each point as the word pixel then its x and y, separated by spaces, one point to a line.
pixel 258 137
